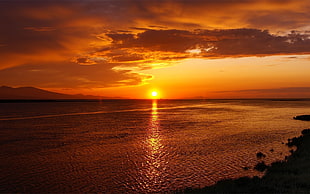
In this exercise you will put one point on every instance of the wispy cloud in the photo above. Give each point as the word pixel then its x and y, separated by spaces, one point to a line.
pixel 70 75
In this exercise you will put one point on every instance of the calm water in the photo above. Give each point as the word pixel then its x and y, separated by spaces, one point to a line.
pixel 130 146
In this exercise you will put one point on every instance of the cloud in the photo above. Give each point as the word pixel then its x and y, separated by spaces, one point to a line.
pixel 70 75
pixel 211 43
pixel 267 14
pixel 40 29
pixel 66 40
pixel 56 30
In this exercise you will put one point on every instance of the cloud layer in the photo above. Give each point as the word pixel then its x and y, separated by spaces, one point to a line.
pixel 212 43
pixel 86 43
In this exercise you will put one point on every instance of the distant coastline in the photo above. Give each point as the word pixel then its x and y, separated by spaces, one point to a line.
pixel 25 100
pixel 46 100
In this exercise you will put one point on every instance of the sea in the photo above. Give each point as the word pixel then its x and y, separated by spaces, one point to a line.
pixel 140 146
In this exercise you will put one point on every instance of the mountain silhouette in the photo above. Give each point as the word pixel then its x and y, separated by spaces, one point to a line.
pixel 27 93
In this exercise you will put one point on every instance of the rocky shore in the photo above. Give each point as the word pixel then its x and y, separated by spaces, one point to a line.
pixel 292 175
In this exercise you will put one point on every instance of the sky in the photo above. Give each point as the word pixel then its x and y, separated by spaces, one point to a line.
pixel 180 48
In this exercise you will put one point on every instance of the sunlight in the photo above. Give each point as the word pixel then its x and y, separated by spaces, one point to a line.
pixel 155 162
pixel 154 109
pixel 154 94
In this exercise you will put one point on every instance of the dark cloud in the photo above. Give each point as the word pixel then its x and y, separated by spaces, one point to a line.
pixel 166 40
pixel 215 43
pixel 156 40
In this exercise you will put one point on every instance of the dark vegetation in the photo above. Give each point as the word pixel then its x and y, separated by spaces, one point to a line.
pixel 291 175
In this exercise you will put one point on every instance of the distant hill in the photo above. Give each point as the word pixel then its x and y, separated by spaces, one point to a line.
pixel 25 93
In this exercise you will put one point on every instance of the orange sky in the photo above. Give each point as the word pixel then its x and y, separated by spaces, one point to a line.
pixel 181 48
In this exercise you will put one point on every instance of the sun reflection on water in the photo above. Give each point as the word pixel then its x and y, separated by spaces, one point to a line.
pixel 154 171
pixel 153 132
pixel 154 109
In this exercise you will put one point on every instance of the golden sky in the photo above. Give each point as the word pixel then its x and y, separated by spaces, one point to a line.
pixel 182 48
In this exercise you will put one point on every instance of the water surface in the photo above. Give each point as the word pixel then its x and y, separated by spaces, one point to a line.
pixel 130 146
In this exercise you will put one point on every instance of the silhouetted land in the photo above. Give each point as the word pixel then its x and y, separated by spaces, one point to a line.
pixel 303 117
pixel 291 175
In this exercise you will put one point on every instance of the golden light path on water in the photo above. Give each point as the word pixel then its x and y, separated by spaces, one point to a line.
pixel 155 154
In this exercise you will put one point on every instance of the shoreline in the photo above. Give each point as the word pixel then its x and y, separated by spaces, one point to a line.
pixel 291 175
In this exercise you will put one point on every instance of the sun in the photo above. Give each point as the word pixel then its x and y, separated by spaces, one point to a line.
pixel 154 94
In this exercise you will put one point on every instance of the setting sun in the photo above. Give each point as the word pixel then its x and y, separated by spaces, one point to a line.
pixel 154 94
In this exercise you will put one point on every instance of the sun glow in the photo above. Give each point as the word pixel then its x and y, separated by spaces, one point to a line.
pixel 154 94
